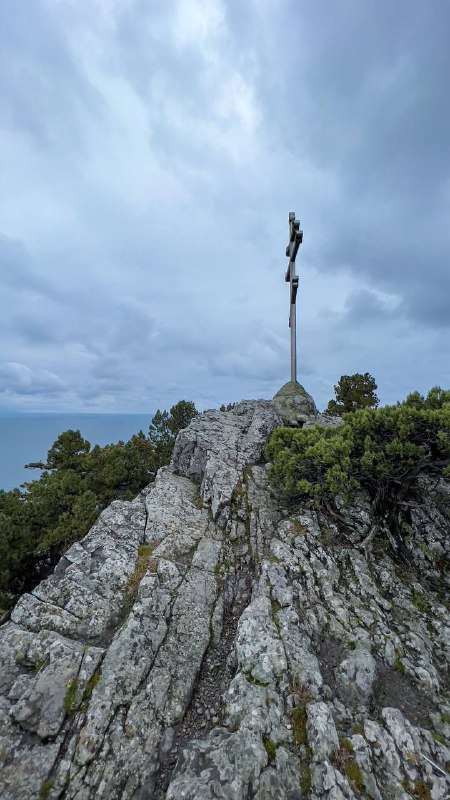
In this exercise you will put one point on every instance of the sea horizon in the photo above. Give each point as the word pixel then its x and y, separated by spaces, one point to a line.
pixel 26 436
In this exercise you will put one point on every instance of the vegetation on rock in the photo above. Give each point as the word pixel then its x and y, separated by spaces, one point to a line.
pixel 380 451
pixel 42 519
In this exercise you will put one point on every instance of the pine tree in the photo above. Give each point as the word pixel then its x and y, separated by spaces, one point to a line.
pixel 353 392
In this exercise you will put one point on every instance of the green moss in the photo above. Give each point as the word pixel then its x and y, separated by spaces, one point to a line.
pixel 359 729
pixel 271 749
pixel 346 744
pixel 45 789
pixel 419 790
pixel 197 500
pixel 445 718
pixel 399 665
pixel 89 688
pixel 299 718
pixel 352 645
pixel 40 665
pixel 70 698
pixel 141 567
pixel 343 759
pixel 441 739
pixel 255 681
pixel 420 602
pixel 305 778
pixel 275 609
pixel 298 528
pixel 354 775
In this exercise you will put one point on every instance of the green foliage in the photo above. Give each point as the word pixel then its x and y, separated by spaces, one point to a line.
pixel 141 567
pixel 270 748
pixel 305 778
pixel 345 762
pixel 65 453
pixel 46 788
pixel 166 425
pixel 299 719
pixel 37 525
pixel 380 450
pixel 120 471
pixel 89 688
pixel 70 703
pixel 420 602
pixel 352 393
pixel 419 790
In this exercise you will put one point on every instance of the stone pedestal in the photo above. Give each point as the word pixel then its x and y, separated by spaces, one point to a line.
pixel 294 405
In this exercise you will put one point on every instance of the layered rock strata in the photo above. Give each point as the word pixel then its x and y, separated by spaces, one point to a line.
pixel 203 641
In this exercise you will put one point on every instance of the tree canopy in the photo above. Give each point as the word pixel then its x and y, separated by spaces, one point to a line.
pixel 353 392
pixel 39 522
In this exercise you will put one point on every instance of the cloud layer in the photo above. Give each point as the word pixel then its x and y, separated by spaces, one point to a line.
pixel 150 154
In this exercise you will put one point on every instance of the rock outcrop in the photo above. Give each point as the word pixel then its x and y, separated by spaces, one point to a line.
pixel 203 641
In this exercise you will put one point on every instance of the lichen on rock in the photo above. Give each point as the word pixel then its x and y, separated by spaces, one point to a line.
pixel 207 641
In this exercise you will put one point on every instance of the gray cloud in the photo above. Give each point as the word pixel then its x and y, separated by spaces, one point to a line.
pixel 20 379
pixel 45 93
pixel 150 154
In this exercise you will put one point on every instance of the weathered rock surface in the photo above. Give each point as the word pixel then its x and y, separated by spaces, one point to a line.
pixel 203 642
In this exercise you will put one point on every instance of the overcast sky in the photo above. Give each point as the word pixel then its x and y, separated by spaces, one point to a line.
pixel 150 152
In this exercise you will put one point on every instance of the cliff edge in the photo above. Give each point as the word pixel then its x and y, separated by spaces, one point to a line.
pixel 203 641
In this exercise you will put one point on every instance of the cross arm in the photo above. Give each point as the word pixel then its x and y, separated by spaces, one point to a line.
pixel 294 288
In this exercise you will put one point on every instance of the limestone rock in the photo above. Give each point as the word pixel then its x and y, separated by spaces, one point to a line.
pixel 204 641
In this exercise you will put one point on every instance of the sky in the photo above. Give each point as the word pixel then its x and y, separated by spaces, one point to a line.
pixel 150 153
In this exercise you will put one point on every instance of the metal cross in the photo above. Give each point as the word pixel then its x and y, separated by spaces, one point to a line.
pixel 295 240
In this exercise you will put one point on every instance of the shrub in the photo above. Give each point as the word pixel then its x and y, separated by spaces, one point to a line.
pixel 382 451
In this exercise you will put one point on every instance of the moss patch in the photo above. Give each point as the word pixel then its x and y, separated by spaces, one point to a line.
pixel 346 744
pixel 70 703
pixel 89 688
pixel 270 748
pixel 298 529
pixel 305 778
pixel 420 602
pixel 275 609
pixel 141 567
pixel 419 790
pixel 343 759
pixel 399 665
pixel 45 789
pixel 255 681
pixel 354 775
pixel 299 718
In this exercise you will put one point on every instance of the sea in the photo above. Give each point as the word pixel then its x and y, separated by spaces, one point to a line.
pixel 26 438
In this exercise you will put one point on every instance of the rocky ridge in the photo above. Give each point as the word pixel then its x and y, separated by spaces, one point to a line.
pixel 203 641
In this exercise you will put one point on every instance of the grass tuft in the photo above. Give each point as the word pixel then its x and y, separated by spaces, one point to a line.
pixel 70 704
pixel 45 789
pixel 344 761
pixel 141 567
pixel 271 749
pixel 89 688
pixel 419 790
